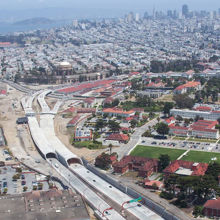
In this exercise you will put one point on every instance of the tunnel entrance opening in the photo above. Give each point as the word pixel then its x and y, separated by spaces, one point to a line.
pixel 74 160
pixel 51 155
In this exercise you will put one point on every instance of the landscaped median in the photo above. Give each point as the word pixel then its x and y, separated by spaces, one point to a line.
pixel 192 155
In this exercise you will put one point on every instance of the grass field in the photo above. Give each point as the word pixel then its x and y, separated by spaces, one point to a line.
pixel 155 152
pixel 200 156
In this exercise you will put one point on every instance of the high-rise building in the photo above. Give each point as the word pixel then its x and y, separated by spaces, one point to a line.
pixel 137 17
pixel 185 11
pixel 169 13
pixel 146 15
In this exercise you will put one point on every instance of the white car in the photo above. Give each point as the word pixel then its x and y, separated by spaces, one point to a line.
pixel 56 165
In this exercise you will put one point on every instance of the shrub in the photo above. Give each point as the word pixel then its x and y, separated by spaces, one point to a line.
pixel 198 211
pixel 166 195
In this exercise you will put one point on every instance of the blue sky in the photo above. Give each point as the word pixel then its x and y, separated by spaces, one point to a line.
pixel 125 4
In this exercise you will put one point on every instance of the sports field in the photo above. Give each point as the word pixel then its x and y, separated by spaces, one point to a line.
pixel 155 152
pixel 200 156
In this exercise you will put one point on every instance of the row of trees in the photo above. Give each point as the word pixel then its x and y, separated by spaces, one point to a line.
pixel 187 188
pixel 113 125
pixel 174 65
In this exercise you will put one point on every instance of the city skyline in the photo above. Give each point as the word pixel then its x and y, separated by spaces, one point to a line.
pixel 113 4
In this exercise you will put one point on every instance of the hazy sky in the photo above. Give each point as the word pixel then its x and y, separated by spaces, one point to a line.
pixel 125 4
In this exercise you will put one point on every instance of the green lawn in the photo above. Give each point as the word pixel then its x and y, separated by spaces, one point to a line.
pixel 202 140
pixel 179 138
pixel 88 144
pixel 200 156
pixel 155 152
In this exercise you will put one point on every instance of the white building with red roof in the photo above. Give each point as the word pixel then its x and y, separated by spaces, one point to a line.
pixel 118 112
pixel 199 129
pixel 187 87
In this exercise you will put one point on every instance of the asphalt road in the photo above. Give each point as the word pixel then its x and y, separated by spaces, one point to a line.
pixel 135 139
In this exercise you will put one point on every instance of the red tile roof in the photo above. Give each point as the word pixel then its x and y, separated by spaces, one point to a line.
pixel 198 170
pixel 190 84
pixel 86 86
pixel 118 137
pixel 74 120
pixel 213 204
pixel 3 92
pixel 145 162
pixel 203 108
pixel 117 111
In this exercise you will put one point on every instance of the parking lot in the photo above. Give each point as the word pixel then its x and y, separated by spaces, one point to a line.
pixel 210 147
pixel 14 182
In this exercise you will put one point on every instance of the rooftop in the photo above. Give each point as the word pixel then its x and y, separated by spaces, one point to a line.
pixel 53 204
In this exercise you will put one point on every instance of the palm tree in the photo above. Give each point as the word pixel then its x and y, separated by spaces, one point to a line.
pixel 110 148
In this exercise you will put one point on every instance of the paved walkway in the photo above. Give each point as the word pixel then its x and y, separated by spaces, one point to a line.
pixel 185 153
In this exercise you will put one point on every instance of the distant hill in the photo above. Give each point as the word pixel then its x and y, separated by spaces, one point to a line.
pixel 34 21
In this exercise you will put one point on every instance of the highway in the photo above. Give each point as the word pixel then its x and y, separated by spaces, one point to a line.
pixel 91 197
pixel 47 126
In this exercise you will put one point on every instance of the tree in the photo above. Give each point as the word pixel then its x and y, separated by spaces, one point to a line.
pixel 115 102
pixel 100 124
pixel 167 107
pixel 25 188
pixel 164 161
pixel 103 161
pixel 133 123
pixel 213 170
pixel 5 190
pixel 162 128
pixel 179 118
pixel 114 126
pixel 183 101
pixel 110 148
pixel 198 211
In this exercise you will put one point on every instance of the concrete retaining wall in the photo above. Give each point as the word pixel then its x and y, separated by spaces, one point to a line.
pixel 148 203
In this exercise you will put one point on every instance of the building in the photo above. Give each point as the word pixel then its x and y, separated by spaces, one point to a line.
pixel 118 112
pixel 212 208
pixel 82 134
pixel 187 87
pixel 73 122
pixel 185 11
pixel 53 204
pixel 89 102
pixel 86 110
pixel 153 184
pixel 186 168
pixel 144 166
pixel 121 138
pixel 199 129
pixel 170 120
pixel 186 113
